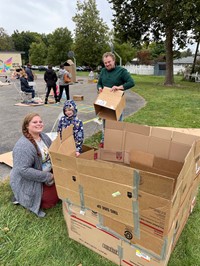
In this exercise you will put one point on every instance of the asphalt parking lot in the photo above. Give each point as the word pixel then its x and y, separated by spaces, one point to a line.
pixel 11 116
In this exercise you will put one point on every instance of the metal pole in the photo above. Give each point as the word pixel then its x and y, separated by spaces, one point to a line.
pixel 120 59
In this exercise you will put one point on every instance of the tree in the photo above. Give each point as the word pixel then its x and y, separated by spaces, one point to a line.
pixel 22 42
pixel 5 41
pixel 38 53
pixel 125 50
pixel 156 20
pixel 91 34
pixel 60 42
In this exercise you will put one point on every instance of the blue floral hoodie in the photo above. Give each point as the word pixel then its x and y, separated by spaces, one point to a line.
pixel 66 121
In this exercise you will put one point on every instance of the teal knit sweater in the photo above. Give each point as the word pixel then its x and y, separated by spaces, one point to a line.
pixel 115 77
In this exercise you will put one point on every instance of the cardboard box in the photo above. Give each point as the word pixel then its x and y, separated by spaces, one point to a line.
pixel 78 97
pixel 110 105
pixel 82 227
pixel 71 68
pixel 145 194
pixel 133 256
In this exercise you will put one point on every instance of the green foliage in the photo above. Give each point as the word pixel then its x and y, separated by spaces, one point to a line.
pixel 38 52
pixel 137 21
pixel 6 42
pixel 90 34
pixel 125 50
pixel 22 42
pixel 60 42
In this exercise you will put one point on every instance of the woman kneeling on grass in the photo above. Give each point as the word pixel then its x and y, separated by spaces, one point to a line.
pixel 31 178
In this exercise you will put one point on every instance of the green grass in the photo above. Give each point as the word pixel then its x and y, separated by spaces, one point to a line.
pixel 28 240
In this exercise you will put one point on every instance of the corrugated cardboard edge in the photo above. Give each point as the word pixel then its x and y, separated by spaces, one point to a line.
pixel 6 158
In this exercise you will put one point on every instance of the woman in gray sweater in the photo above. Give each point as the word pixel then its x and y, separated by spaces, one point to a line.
pixel 31 178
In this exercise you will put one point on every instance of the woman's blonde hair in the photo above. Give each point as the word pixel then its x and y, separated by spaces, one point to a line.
pixel 25 124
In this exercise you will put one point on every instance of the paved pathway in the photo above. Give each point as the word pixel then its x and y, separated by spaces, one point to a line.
pixel 11 116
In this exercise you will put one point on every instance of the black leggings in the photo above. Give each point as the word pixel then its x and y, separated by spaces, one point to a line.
pixel 61 88
pixel 48 92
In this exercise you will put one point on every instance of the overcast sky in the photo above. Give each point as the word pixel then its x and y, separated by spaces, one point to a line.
pixel 44 16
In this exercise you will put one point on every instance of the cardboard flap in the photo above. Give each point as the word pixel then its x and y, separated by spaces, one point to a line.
pixel 142 158
pixel 66 145
pixel 108 98
pixel 67 132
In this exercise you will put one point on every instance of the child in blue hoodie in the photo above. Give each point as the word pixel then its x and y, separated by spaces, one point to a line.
pixel 70 118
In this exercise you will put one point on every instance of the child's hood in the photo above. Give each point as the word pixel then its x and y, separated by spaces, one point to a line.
pixel 71 105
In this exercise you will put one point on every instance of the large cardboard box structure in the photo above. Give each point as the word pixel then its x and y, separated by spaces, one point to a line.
pixel 110 105
pixel 83 226
pixel 71 68
pixel 144 194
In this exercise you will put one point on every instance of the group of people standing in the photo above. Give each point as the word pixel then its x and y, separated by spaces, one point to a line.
pixel 32 179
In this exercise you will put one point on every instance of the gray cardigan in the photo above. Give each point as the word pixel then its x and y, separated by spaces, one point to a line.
pixel 27 177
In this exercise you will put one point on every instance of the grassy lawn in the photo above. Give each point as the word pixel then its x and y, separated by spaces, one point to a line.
pixel 28 240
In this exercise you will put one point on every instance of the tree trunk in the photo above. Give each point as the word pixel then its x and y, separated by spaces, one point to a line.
pixel 195 58
pixel 169 77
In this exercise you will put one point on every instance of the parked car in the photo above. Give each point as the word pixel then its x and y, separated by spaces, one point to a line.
pixel 79 68
pixel 56 68
pixel 34 67
pixel 42 68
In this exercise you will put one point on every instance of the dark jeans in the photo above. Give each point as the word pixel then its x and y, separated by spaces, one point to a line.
pixel 31 90
pixel 48 92
pixel 61 88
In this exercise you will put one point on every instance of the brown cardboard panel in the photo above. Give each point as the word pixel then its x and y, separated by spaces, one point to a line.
pixel 62 161
pixel 157 184
pixel 111 192
pixel 78 97
pixel 134 256
pixel 106 171
pixel 82 228
pixel 138 129
pixel 149 242
pixel 158 213
pixel 159 147
pixel 161 133
pixel 184 138
pixel 67 178
pixel 114 139
pixel 136 142
pixel 7 158
pixel 178 151
pixel 72 69
pixel 109 155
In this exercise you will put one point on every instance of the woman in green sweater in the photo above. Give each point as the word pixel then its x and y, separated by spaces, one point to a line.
pixel 113 77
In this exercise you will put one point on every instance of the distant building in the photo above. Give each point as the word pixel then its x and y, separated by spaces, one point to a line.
pixel 184 61
pixel 9 60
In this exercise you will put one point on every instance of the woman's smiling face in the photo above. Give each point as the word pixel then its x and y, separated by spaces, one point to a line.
pixel 35 125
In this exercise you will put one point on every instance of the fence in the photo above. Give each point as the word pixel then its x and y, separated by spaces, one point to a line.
pixel 149 70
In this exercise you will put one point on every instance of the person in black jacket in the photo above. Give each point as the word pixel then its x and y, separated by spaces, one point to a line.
pixel 24 84
pixel 50 78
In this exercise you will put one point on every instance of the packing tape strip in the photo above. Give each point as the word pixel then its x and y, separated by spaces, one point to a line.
pixel 136 219
pixel 82 201
pixel 136 182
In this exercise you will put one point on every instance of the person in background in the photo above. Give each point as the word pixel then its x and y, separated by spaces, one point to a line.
pixel 31 178
pixel 25 86
pixel 29 72
pixel 50 78
pixel 70 118
pixel 114 77
pixel 62 85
